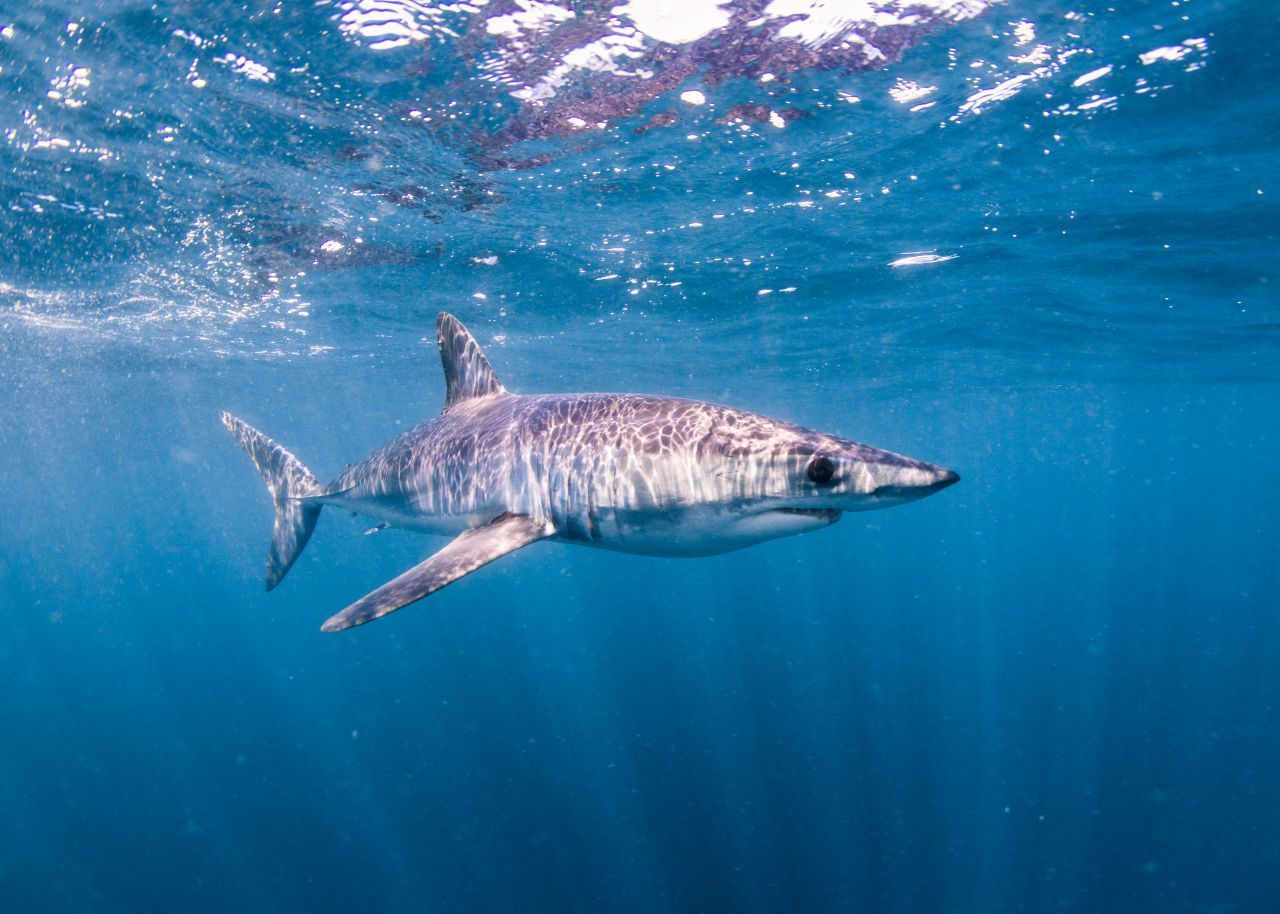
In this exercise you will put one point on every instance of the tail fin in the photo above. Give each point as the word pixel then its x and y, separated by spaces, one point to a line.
pixel 289 481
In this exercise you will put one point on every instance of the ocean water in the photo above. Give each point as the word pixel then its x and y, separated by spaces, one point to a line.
pixel 1032 241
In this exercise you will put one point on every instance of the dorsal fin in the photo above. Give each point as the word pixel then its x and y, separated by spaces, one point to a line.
pixel 467 372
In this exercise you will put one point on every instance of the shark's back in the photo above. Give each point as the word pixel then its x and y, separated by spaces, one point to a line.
pixel 572 458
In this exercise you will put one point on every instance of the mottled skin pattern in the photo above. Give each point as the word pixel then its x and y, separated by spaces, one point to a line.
pixel 621 471
pixel 651 475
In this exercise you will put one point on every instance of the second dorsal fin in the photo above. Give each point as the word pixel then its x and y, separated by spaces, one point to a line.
pixel 467 372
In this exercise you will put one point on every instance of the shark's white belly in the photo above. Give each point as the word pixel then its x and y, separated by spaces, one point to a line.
pixel 694 531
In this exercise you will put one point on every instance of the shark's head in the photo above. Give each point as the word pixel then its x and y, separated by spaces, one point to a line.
pixel 812 471
pixel 775 479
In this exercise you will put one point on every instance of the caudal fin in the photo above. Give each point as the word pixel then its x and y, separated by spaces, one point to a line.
pixel 289 482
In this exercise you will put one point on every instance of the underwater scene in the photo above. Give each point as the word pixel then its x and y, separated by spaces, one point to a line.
pixel 791 456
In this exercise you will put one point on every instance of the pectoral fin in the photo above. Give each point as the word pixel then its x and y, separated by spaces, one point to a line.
pixel 464 555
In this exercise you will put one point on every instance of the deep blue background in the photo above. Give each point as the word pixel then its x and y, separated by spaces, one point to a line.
pixel 1054 686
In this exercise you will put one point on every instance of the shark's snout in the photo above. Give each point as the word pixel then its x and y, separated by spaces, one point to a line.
pixel 947 478
pixel 920 482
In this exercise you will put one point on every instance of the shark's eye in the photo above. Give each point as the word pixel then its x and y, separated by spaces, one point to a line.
pixel 821 470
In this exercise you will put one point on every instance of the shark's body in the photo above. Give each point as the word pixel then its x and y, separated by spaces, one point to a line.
pixel 641 474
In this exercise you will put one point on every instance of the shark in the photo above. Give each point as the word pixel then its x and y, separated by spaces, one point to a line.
pixel 651 475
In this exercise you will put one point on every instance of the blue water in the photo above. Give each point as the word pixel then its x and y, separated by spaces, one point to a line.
pixel 1055 686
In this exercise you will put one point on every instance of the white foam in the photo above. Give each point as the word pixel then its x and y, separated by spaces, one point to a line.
pixel 1092 75
pixel 675 21
pixel 914 259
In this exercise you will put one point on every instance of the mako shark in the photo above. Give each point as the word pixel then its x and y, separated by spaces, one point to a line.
pixel 642 474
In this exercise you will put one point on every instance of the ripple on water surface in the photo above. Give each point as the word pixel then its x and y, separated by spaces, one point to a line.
pixel 316 181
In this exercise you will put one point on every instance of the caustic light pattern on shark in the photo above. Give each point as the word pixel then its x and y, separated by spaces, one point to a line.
pixel 633 473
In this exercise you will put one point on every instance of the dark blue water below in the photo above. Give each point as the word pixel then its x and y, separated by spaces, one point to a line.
pixel 1054 686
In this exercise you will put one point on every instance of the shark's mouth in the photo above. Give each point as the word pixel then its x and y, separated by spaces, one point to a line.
pixel 830 515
